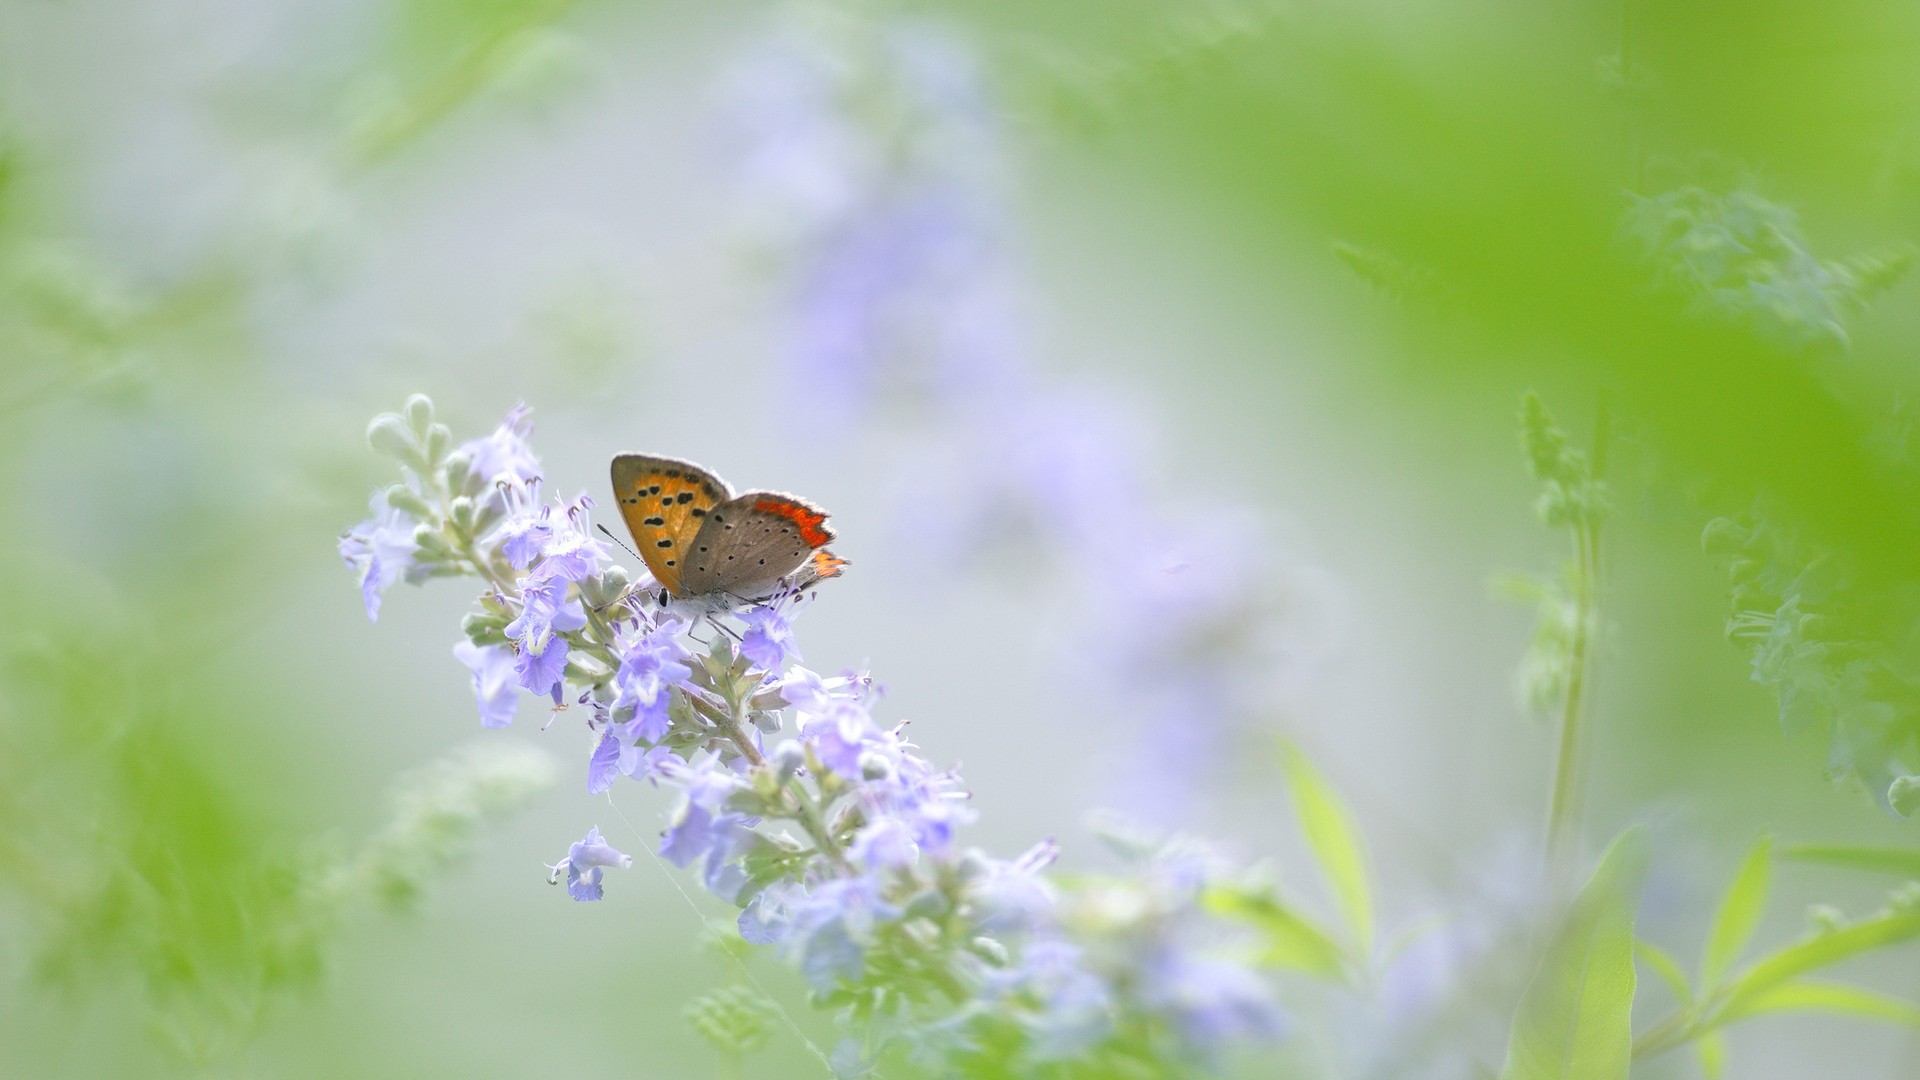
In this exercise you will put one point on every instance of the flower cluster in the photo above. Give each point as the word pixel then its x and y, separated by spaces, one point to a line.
pixel 828 828
pixel 875 148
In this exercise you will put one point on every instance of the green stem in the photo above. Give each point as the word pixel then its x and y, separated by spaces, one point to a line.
pixel 1669 1033
pixel 1563 815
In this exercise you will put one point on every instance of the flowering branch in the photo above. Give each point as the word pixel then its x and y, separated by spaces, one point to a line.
pixel 838 840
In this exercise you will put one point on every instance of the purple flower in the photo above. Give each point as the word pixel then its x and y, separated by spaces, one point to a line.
pixel 768 640
pixel 614 755
pixel 545 609
pixel 542 672
pixel 493 684
pixel 524 536
pixel 1075 1006
pixel 504 455
pixel 829 928
pixel 604 764
pixel 767 916
pixel 585 864
pixel 1013 895
pixel 648 670
pixel 839 736
pixel 569 552
pixel 884 844
pixel 1212 1000
pixel 380 549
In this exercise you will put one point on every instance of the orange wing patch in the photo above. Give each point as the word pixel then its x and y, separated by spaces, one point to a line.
pixel 808 520
pixel 825 564
pixel 664 501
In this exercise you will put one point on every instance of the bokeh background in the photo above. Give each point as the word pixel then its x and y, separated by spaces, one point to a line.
pixel 1160 365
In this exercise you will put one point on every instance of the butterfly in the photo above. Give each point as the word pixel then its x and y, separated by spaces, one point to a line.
pixel 704 543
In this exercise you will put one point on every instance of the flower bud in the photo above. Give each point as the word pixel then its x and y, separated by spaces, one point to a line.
pixel 487 513
pixel 458 472
pixel 420 414
pixel 787 759
pixel 928 904
pixel 404 499
pixel 874 767
pixel 388 435
pixel 461 509
pixel 427 539
pixel 615 581
pixel 991 949
pixel 484 627
pixel 439 439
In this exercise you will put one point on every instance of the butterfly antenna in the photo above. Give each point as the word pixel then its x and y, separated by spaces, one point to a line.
pixel 619 541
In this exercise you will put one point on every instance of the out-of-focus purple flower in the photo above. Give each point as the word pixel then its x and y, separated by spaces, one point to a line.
pixel 768 640
pixel 493 681
pixel 380 549
pixel 585 864
pixel 884 844
pixel 1013 896
pixel 766 917
pixel 702 828
pixel 503 455
pixel 829 929
pixel 1074 1007
pixel 1213 1001
pixel 839 736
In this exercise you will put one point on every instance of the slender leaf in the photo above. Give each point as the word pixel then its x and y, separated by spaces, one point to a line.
pixel 1902 862
pixel 1814 995
pixel 1575 1019
pixel 1818 952
pixel 1291 941
pixel 1711 1049
pixel 1665 966
pixel 1335 840
pixel 1739 913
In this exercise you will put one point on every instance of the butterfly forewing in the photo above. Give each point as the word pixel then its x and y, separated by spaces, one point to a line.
pixel 747 545
pixel 665 503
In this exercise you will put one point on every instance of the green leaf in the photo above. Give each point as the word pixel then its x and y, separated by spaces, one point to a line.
pixel 1902 862
pixel 1712 1051
pixel 1291 941
pixel 1575 1019
pixel 1739 913
pixel 1664 965
pixel 1335 841
pixel 1822 951
pixel 1814 995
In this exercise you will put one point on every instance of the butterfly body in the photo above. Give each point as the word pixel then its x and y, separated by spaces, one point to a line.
pixel 713 548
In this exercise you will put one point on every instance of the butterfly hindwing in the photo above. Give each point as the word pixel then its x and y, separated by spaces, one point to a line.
pixel 747 545
pixel 820 566
pixel 665 502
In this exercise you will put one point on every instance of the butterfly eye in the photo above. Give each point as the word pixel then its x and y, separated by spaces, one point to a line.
pixel 663 598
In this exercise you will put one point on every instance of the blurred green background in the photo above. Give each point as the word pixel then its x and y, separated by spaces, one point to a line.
pixel 230 233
